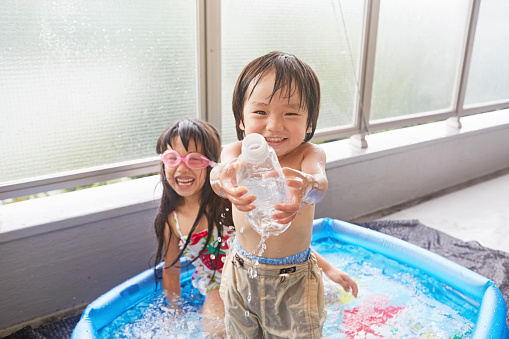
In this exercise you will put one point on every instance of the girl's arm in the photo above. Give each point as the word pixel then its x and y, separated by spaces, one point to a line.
pixel 336 274
pixel 171 275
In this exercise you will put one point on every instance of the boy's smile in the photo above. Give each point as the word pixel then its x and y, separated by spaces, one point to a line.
pixel 281 120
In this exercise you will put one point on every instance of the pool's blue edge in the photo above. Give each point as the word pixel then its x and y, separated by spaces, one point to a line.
pixel 491 322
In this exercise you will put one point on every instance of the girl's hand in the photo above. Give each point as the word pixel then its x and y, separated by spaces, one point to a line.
pixel 224 183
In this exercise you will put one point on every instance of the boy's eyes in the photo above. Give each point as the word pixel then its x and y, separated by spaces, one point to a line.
pixel 265 113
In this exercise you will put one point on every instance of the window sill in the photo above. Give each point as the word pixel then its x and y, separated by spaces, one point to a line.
pixel 33 217
pixel 340 153
pixel 47 214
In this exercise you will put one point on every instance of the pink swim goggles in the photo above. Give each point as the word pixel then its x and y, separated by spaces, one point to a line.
pixel 193 160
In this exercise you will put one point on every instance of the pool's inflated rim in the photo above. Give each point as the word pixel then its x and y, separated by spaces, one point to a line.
pixel 491 321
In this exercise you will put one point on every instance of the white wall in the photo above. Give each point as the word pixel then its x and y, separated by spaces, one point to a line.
pixel 62 252
pixel 369 183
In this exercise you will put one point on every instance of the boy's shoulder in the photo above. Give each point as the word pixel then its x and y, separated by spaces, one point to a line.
pixel 231 151
pixel 233 145
pixel 313 147
pixel 308 148
pixel 303 153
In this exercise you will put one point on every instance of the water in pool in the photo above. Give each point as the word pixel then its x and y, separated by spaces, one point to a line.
pixel 394 301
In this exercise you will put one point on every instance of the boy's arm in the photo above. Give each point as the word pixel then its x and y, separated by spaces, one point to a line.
pixel 223 179
pixel 307 186
pixel 336 274
pixel 316 182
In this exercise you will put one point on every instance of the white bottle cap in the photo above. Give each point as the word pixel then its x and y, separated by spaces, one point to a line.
pixel 255 148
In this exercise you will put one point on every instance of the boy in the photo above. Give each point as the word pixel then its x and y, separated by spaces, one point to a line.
pixel 277 96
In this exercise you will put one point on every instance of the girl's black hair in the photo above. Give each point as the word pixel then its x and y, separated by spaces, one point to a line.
pixel 215 208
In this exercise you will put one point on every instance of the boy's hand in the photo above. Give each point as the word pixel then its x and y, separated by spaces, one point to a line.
pixel 224 183
pixel 340 277
pixel 299 183
pixel 299 186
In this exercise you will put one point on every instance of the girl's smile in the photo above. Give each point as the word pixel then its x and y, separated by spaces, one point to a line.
pixel 184 182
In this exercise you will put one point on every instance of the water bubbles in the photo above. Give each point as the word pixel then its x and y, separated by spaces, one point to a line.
pixel 219 239
pixel 212 256
pixel 246 314
pixel 252 273
pixel 249 297
pixel 223 259
pixel 155 318
pixel 227 209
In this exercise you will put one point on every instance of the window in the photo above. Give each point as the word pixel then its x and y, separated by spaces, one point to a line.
pixel 91 83
pixel 86 87
pixel 488 80
pixel 325 34
pixel 418 53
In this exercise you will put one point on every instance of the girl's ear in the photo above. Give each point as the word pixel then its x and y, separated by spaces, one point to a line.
pixel 241 126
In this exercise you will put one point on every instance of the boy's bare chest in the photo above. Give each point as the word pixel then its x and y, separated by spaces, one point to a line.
pixel 293 159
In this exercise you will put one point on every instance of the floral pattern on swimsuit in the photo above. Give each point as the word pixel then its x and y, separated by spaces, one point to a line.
pixel 204 278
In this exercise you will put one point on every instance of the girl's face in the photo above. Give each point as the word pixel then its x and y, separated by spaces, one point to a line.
pixel 281 120
pixel 187 182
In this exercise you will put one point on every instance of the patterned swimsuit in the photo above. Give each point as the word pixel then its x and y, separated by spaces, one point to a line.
pixel 204 278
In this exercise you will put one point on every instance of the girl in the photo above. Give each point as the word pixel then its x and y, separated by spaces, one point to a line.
pixel 192 220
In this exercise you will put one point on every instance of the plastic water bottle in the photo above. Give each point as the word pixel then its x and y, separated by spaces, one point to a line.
pixel 261 174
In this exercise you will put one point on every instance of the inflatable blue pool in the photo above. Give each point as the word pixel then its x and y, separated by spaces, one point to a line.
pixel 484 302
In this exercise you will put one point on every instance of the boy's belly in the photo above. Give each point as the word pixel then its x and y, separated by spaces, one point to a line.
pixel 295 239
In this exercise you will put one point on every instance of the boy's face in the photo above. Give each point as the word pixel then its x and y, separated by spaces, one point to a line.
pixel 280 121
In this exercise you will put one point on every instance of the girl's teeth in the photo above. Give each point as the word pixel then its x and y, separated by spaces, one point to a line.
pixel 185 181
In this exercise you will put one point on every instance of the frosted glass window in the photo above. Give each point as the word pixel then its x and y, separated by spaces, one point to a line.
pixel 312 30
pixel 418 53
pixel 91 83
pixel 488 79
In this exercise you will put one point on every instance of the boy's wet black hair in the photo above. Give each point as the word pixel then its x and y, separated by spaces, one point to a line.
pixel 292 75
